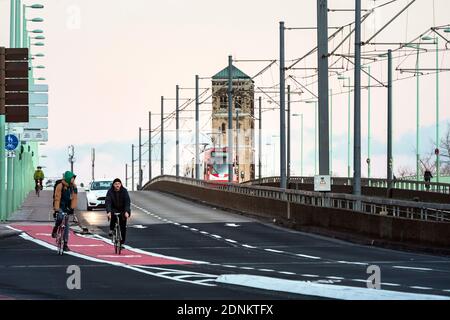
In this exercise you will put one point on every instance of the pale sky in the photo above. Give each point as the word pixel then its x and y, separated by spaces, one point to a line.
pixel 108 63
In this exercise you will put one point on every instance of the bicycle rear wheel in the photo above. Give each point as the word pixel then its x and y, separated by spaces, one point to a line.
pixel 118 239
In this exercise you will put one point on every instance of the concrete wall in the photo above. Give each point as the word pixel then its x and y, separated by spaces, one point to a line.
pixel 325 220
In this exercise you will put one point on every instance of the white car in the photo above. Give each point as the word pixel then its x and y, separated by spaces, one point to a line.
pixel 96 194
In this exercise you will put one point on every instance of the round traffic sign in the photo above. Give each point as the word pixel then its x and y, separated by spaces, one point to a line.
pixel 11 142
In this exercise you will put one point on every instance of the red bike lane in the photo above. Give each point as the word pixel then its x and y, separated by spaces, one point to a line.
pixel 99 248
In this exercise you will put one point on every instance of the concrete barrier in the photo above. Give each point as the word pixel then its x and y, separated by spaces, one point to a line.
pixel 340 223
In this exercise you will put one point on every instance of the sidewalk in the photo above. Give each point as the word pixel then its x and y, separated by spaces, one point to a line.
pixel 34 210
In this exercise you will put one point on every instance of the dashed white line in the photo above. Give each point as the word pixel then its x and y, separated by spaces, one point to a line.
pixel 286 272
pixel 412 268
pixel 356 263
pixel 229 240
pixel 248 246
pixel 247 268
pixel 228 266
pixel 306 256
pixel 216 236
pixel 266 270
pixel 359 280
pixel 273 250
pixel 420 288
pixel 335 278
pixel 309 275
pixel 390 284
pixel 204 232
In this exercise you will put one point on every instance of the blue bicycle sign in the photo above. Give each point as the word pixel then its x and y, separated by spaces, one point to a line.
pixel 11 142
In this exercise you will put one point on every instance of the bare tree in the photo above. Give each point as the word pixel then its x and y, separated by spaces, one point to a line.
pixel 445 152
pixel 405 171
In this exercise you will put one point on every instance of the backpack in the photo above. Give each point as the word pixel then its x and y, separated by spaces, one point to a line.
pixel 54 189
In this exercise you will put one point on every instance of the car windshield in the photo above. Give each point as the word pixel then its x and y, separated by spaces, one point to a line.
pixel 101 185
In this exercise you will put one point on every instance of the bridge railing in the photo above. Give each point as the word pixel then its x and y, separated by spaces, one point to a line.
pixel 370 205
pixel 443 188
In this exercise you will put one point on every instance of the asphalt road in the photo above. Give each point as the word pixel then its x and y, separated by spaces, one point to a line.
pixel 215 243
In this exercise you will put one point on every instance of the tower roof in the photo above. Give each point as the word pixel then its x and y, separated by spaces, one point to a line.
pixel 236 74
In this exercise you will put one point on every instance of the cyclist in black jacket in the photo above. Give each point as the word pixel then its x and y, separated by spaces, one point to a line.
pixel 118 201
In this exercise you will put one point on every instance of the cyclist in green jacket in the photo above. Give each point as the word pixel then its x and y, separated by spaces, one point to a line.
pixel 38 177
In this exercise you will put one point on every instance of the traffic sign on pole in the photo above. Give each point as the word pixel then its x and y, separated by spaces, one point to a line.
pixel 11 142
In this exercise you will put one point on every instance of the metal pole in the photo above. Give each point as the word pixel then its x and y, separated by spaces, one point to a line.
pixel 162 135
pixel 331 131
pixel 177 111
pixel 132 167
pixel 437 111
pixel 93 164
pixel 126 175
pixel 260 140
pixel 369 131
pixel 322 56
pixel 288 174
pixel 3 212
pixel 417 117
pixel 389 137
pixel 237 145
pixel 140 159
pixel 197 129
pixel 282 110
pixel 12 23
pixel 230 119
pixel 357 106
pixel 348 130
pixel 24 28
pixel 301 159
pixel 315 137
pixel 18 20
pixel 149 146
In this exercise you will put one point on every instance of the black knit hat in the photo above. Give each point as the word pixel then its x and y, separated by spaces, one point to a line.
pixel 117 180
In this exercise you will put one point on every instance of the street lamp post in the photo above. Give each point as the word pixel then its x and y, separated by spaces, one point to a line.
pixel 348 124
pixel 436 40
pixel 301 141
pixel 315 135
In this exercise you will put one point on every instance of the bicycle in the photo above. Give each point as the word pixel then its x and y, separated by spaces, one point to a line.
pixel 38 188
pixel 60 242
pixel 117 235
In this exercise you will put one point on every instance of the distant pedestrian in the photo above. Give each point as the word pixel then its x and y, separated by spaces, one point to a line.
pixel 427 176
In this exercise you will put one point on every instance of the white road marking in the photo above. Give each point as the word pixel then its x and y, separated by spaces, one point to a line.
pixel 322 290
pixel 273 250
pixel 390 284
pixel 309 257
pixel 420 288
pixel 216 236
pixel 412 268
pixel 247 268
pixel 309 275
pixel 286 272
pixel 356 263
pixel 121 256
pixel 87 245
pixel 232 225
pixel 228 266
pixel 117 264
pixel 248 246
pixel 359 280
pixel 266 270
pixel 230 240
pixel 335 278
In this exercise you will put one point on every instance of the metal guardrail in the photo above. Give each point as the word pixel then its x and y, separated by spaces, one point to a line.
pixel 443 188
pixel 370 205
